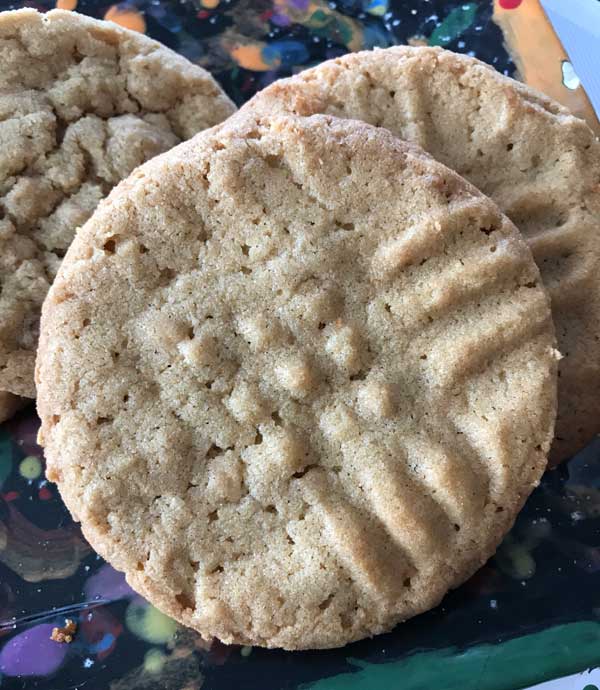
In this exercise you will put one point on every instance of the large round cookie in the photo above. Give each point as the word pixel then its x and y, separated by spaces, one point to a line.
pixel 82 103
pixel 540 164
pixel 296 378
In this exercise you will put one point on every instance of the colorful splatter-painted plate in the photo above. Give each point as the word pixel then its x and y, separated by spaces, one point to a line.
pixel 532 614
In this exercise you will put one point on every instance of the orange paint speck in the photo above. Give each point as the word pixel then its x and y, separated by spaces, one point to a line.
pixel 66 5
pixel 250 57
pixel 126 17
pixel 210 4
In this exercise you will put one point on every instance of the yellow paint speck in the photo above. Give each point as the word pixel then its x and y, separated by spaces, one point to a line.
pixel 30 467
pixel 154 660
pixel 149 623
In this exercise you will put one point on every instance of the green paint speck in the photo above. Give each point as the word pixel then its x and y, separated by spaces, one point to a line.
pixel 346 32
pixel 376 7
pixel 457 21
pixel 318 18
pixel 515 560
pixel 246 651
pixel 154 660
pixel 30 467
pixel 591 687
pixel 149 623
pixel 517 663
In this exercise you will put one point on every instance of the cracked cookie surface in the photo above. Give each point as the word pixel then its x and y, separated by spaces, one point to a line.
pixel 296 378
pixel 539 163
pixel 82 103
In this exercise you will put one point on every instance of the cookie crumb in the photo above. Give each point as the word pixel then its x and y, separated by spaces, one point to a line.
pixel 66 633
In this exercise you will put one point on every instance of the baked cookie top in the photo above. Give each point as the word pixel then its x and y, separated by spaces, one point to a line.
pixel 539 163
pixel 82 103
pixel 296 378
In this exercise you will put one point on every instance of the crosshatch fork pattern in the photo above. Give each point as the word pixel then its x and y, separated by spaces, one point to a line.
pixel 258 322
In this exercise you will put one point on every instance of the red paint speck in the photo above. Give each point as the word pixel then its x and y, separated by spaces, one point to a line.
pixel 45 494
pixel 266 15
pixel 11 496
pixel 510 4
pixel 203 14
